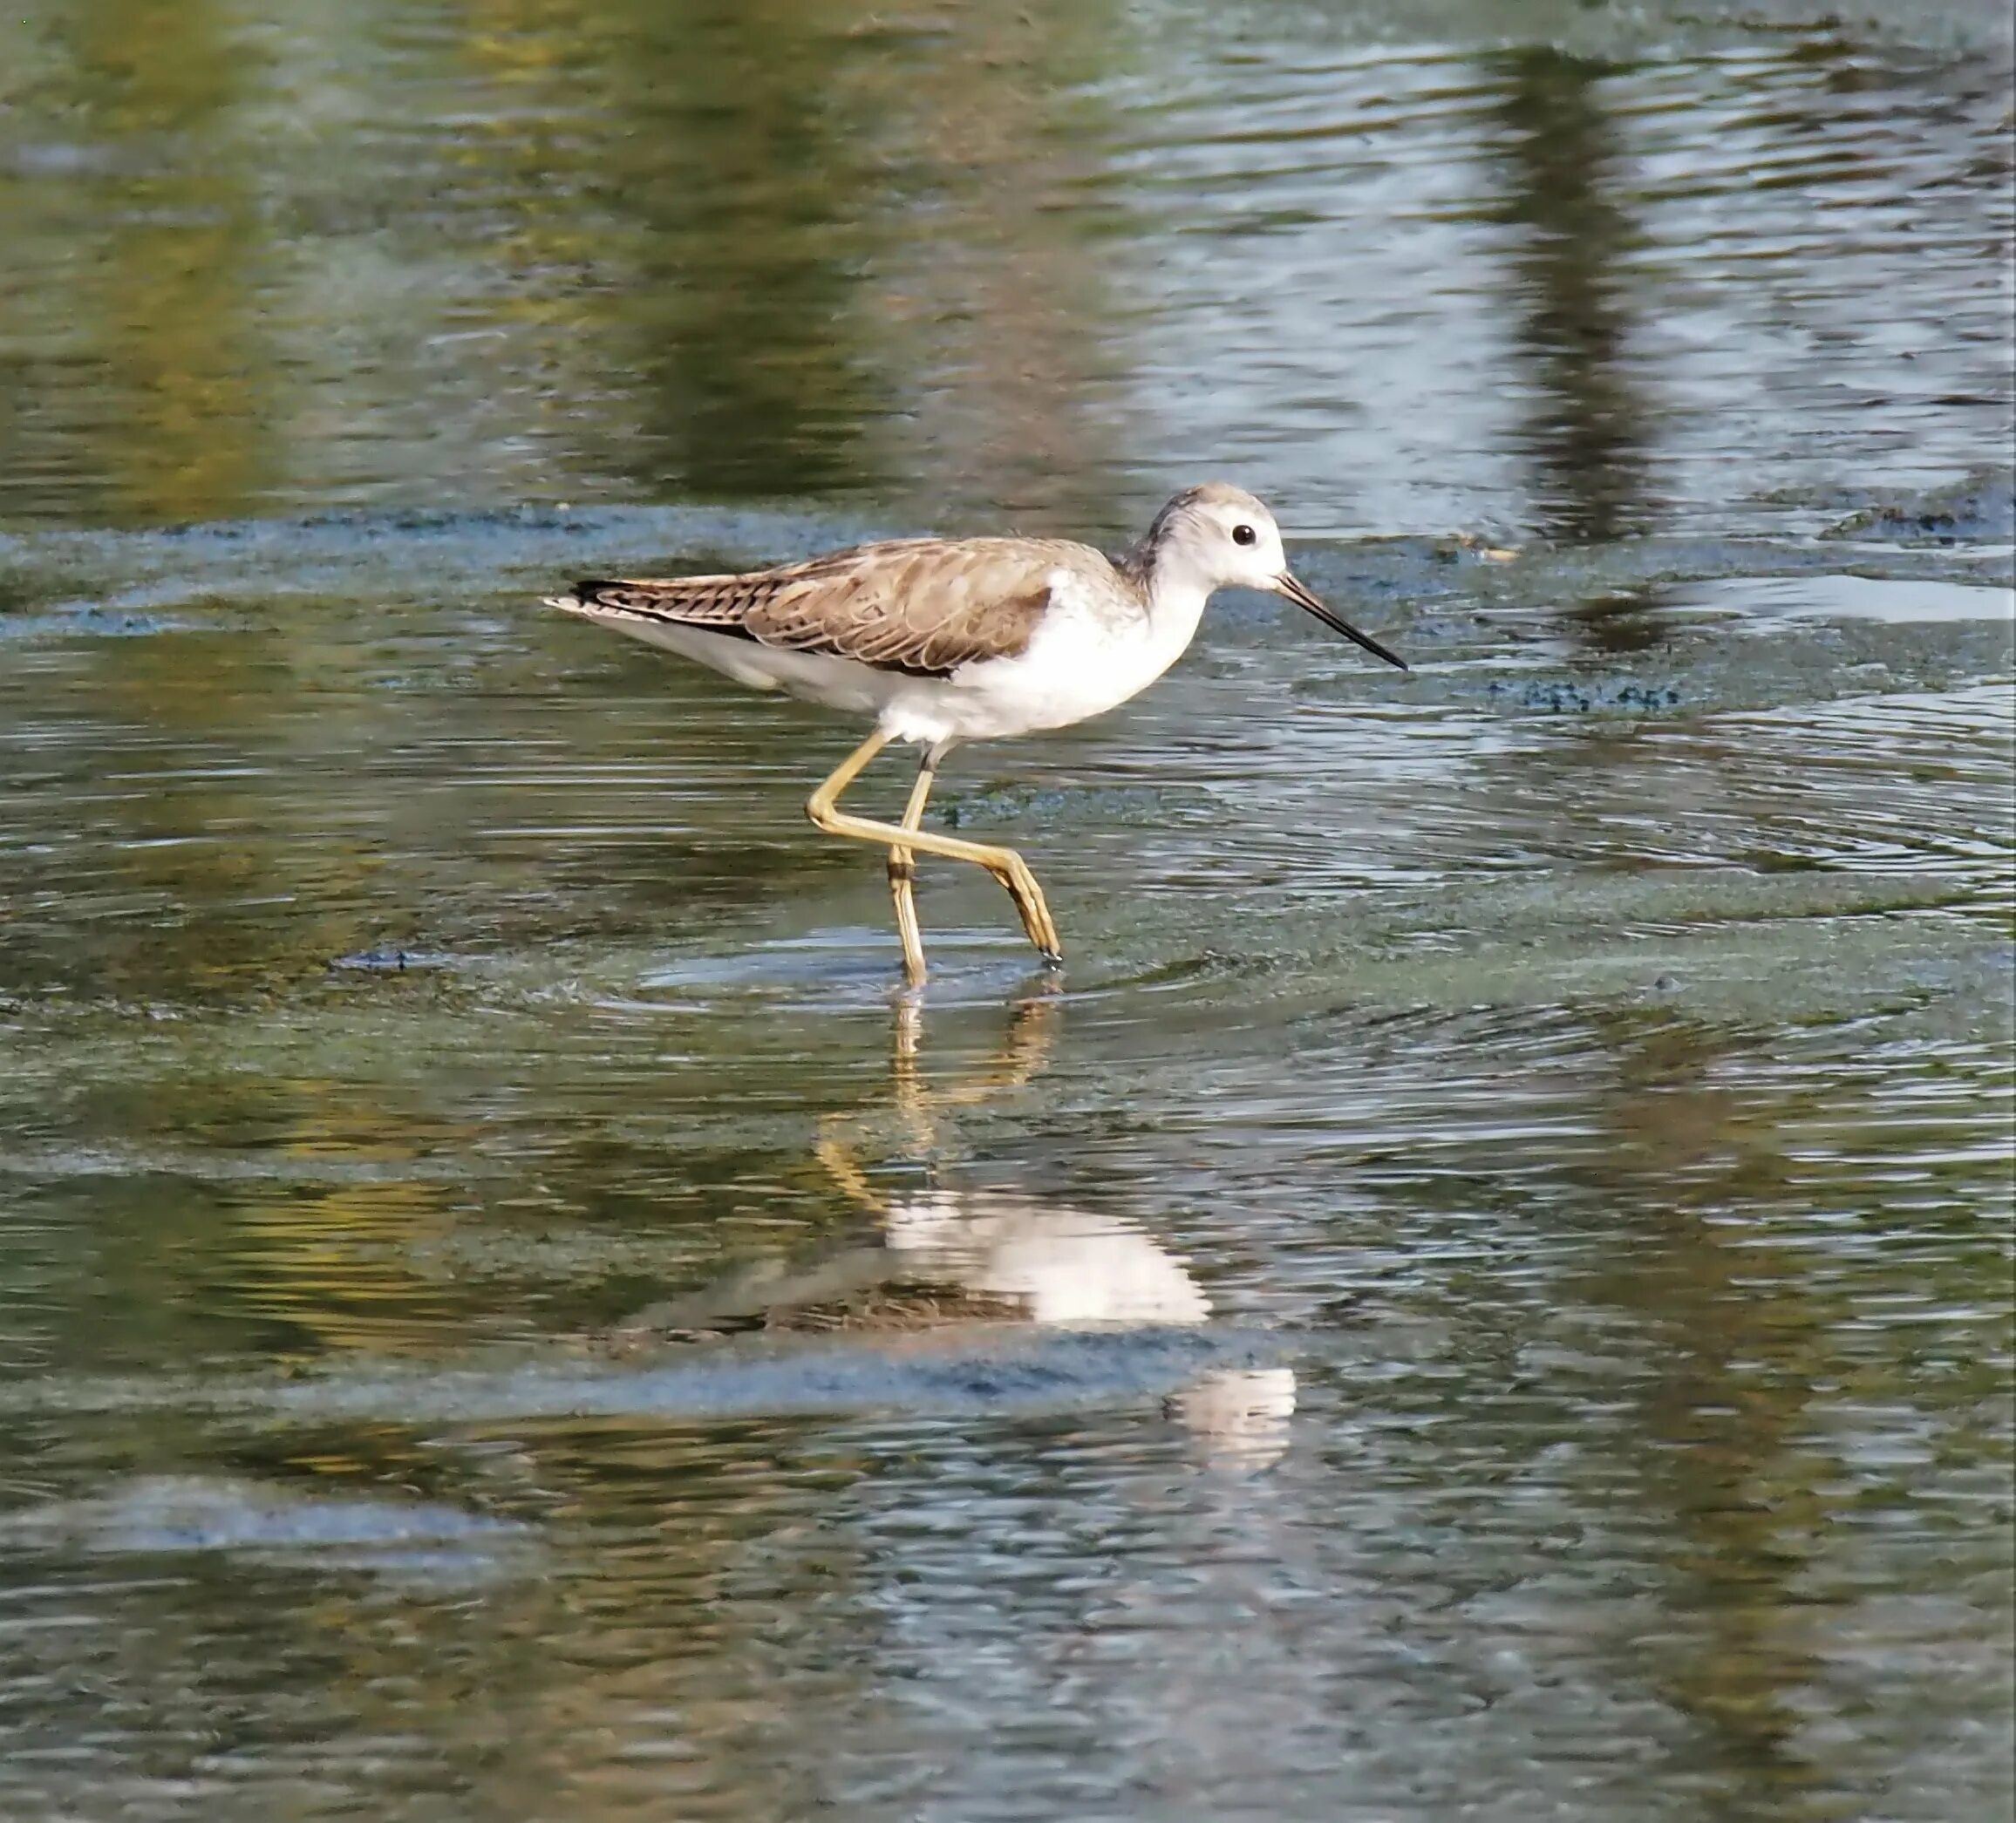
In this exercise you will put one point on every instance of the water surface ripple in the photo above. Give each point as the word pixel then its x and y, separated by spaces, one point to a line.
pixel 1486 1288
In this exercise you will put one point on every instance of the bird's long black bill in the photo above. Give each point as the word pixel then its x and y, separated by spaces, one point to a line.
pixel 1302 598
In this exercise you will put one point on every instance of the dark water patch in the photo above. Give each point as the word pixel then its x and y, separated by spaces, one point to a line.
pixel 404 554
pixel 89 622
pixel 960 1375
pixel 1598 698
pixel 168 1516
pixel 399 961
pixel 1978 512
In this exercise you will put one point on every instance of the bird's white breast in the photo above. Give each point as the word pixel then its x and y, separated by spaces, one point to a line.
pixel 1093 650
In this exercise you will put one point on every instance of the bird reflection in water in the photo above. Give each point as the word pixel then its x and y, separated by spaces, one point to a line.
pixel 955 1259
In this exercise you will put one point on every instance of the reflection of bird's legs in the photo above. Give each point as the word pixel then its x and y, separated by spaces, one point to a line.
pixel 1022 1054
pixel 1006 866
pixel 912 1100
pixel 845 1170
pixel 1025 1051
pixel 1032 1030
pixel 903 872
pixel 910 1028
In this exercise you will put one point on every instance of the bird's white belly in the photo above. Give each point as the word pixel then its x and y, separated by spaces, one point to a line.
pixel 1077 666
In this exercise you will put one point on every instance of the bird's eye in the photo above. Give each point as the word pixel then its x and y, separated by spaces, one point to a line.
pixel 1244 534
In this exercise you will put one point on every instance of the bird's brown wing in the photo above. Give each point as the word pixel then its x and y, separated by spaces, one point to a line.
pixel 925 606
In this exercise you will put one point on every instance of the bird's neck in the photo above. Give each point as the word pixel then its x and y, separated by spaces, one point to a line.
pixel 1173 591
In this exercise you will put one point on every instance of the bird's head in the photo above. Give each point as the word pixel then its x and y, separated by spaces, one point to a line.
pixel 1218 536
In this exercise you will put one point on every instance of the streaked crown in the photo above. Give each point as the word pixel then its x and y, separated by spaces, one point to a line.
pixel 1213 535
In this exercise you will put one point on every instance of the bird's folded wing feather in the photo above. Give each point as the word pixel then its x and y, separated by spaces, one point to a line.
pixel 924 605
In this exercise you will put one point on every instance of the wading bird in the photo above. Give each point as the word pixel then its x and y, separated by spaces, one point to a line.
pixel 941 641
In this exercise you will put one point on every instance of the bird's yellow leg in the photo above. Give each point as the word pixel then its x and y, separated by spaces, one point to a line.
pixel 1006 866
pixel 903 879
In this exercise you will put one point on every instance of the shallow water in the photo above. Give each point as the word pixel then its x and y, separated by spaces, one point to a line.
pixel 1486 1287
